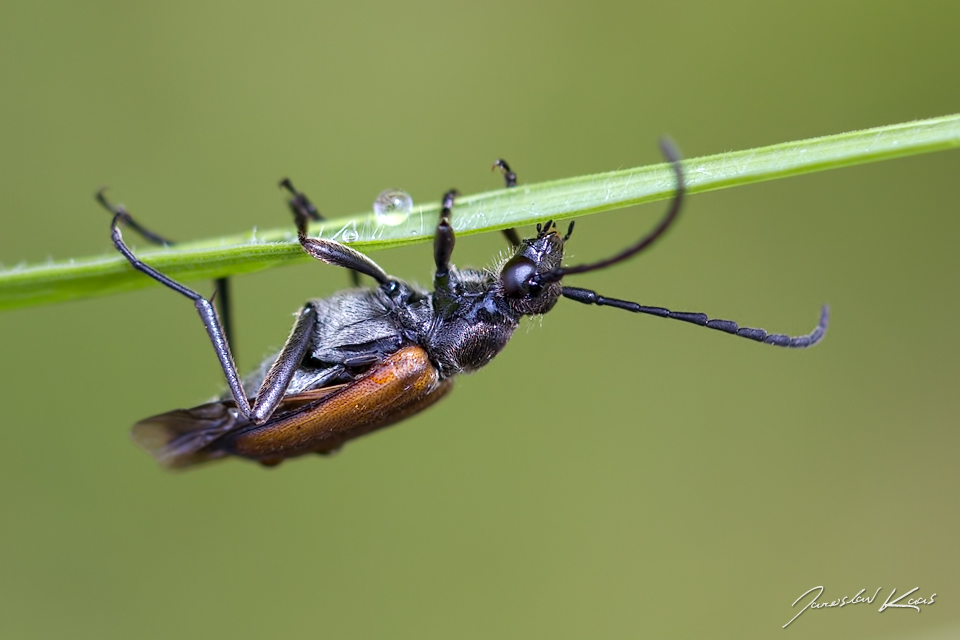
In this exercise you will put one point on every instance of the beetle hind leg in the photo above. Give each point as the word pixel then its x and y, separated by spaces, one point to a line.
pixel 221 296
pixel 208 314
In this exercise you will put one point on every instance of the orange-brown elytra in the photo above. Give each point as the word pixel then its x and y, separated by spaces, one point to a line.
pixel 317 421
pixel 405 382
pixel 366 358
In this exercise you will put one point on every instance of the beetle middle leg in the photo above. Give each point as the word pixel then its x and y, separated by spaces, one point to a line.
pixel 445 239
pixel 336 253
pixel 303 210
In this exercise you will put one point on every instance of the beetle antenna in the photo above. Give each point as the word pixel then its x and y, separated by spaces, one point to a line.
pixel 673 157
pixel 586 296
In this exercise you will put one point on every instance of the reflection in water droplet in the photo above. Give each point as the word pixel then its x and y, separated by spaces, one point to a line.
pixel 392 207
pixel 350 235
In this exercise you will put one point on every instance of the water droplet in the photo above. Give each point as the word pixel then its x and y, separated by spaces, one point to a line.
pixel 392 207
pixel 348 233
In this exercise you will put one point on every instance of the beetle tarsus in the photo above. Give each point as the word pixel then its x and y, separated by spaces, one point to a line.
pixel 300 205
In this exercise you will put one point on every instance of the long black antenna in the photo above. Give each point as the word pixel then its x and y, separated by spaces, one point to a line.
pixel 673 156
pixel 586 296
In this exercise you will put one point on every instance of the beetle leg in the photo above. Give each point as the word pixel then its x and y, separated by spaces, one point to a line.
pixel 444 239
pixel 586 296
pixel 444 296
pixel 208 314
pixel 224 301
pixel 340 255
pixel 512 237
pixel 278 377
pixel 221 294
pixel 329 251
pixel 509 181
pixel 362 361
pixel 302 210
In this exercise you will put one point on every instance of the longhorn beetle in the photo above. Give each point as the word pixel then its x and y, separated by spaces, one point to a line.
pixel 365 358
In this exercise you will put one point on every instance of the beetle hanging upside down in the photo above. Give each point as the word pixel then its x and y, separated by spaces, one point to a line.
pixel 366 358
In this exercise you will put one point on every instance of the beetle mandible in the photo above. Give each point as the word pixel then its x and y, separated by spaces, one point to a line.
pixel 366 358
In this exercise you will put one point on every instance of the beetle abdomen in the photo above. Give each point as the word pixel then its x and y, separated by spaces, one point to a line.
pixel 404 383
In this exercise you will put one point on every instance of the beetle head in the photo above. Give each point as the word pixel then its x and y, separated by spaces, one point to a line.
pixel 524 279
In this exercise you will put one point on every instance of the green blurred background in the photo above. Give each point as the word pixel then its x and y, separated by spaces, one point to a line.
pixel 608 475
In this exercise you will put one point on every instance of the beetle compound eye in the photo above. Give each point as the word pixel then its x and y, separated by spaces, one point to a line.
pixel 517 277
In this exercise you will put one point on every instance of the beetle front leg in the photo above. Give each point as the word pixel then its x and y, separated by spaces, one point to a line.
pixel 444 239
pixel 444 297
pixel 509 181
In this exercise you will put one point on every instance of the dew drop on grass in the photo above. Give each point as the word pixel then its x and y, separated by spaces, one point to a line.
pixel 392 207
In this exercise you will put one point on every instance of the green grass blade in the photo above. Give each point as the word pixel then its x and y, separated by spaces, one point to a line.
pixel 525 205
